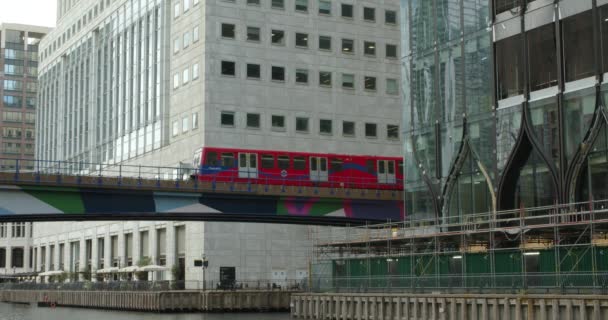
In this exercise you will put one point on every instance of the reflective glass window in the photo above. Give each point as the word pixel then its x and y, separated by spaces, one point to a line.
pixel 325 7
pixel 509 67
pixel 542 57
pixel 228 30
pixel 253 71
pixel 348 128
pixel 347 10
pixel 577 32
pixel 253 120
pixel 324 42
pixel 301 124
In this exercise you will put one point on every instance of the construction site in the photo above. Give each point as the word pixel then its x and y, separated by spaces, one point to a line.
pixel 555 249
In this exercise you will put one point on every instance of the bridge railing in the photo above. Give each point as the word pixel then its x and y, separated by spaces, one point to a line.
pixel 27 169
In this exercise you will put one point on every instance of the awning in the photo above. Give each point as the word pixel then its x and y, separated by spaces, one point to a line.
pixel 108 270
pixel 153 267
pixel 129 269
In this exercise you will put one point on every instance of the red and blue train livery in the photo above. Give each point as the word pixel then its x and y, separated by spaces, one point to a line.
pixel 298 168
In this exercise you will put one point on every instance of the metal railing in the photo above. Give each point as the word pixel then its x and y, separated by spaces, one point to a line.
pixel 479 283
pixel 285 285
pixel 30 170
pixel 514 221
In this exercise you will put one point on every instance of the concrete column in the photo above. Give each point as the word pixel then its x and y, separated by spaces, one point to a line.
pixel 82 258
pixel 94 254
pixel 26 258
pixel 107 248
pixel 47 257
pixel 9 260
pixel 136 244
pixel 152 235
pixel 38 258
pixel 121 249
pixel 170 245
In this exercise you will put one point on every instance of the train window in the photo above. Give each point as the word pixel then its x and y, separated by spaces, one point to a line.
pixel 370 166
pixel 211 159
pixel 336 164
pixel 400 165
pixel 283 162
pixel 391 167
pixel 228 159
pixel 299 163
pixel 267 161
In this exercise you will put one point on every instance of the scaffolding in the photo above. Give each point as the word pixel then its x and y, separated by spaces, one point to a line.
pixel 560 248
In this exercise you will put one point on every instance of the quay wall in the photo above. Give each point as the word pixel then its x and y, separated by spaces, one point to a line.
pixel 448 307
pixel 159 301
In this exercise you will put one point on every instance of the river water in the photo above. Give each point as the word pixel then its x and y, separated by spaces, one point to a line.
pixel 31 312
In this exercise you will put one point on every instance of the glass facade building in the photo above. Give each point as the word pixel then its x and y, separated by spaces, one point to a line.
pixel 504 104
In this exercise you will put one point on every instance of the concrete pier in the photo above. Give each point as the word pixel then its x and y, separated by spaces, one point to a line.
pixel 160 301
pixel 448 307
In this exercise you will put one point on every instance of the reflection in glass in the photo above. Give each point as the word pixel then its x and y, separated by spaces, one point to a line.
pixel 448 20
pixel 578 46
pixel 470 194
pixel 535 186
pixel 422 25
pixel 507 131
pixel 450 84
pixel 542 57
pixel 418 198
pixel 476 15
pixel 478 74
pixel 509 67
pixel 501 6
pixel 578 113
pixel 604 36
pixel 423 91
pixel 544 121
pixel 594 175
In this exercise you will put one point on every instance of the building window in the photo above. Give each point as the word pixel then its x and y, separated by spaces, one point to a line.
pixel 324 43
pixel 505 5
pixel 195 2
pixel 253 2
pixel 325 78
pixel 278 37
pixel 302 124
pixel 390 17
pixel 278 73
pixel 3 230
pixel 301 76
pixel 348 81
pixel 185 122
pixel 253 120
pixel 195 120
pixel 17 257
pixel 176 81
pixel 370 130
pixel 391 86
pixel 253 71
pixel 267 161
pixel 578 46
pixel 186 39
pixel 195 71
pixel 370 83
pixel 278 4
pixel 392 132
pixel 369 14
pixel 253 34
pixel 195 34
pixel 2 257
pixel 369 48
pixel 186 76
pixel 228 68
pixel 186 5
pixel 283 162
pixel 347 10
pixel 325 126
pixel 227 119
pixel 175 128
pixel 176 10
pixel 391 51
pixel 542 57
pixel 509 67
pixel 348 128
pixel 278 122
pixel 302 40
pixel 348 46
pixel 302 5
pixel 176 45
pixel 325 7
pixel 18 230
pixel 228 30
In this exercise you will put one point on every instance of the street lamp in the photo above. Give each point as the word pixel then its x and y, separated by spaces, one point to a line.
pixel 205 265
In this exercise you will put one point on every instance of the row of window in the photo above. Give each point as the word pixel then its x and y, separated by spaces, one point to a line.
pixel 12 116
pixel 17 258
pixel 302 125
pixel 187 38
pixel 11 147
pixel 303 41
pixel 322 7
pixel 16 229
pixel 17 85
pixel 278 74
pixel 17 133
pixel 185 124
pixel 81 23
pixel 185 76
pixel 11 101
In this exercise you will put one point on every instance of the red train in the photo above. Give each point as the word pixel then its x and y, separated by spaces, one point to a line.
pixel 298 168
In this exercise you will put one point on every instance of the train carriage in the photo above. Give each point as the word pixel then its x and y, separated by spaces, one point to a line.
pixel 298 168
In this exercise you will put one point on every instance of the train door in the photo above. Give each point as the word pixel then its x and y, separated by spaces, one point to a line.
pixel 318 169
pixel 386 171
pixel 248 165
